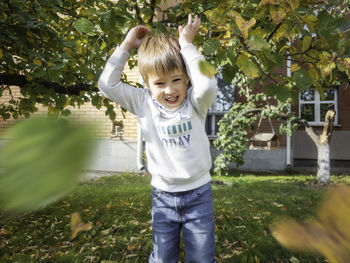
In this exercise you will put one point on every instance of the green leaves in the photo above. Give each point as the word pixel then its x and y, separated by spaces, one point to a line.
pixel 256 43
pixel 302 79
pixel 83 25
pixel 211 46
pixel 282 93
pixel 248 66
pixel 41 161
pixel 65 44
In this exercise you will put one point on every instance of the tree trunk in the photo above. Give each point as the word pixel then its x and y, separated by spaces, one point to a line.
pixel 323 163
pixel 323 146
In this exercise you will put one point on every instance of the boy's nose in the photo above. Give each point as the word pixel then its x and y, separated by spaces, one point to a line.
pixel 168 90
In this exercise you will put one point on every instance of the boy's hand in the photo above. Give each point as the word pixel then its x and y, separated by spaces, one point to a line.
pixel 187 33
pixel 135 37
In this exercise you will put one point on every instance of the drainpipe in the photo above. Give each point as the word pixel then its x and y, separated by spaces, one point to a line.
pixel 289 155
pixel 139 151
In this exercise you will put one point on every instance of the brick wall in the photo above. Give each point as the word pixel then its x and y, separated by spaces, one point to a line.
pixel 344 108
pixel 86 114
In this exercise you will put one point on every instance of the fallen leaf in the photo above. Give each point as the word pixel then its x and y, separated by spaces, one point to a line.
pixel 106 231
pixel 277 204
pixel 329 234
pixel 76 225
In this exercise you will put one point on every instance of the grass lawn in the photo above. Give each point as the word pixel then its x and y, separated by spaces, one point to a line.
pixel 119 209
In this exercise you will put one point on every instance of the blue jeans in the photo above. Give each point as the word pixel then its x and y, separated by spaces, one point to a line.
pixel 190 212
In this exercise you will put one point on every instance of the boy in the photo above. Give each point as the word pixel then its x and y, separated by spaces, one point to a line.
pixel 172 119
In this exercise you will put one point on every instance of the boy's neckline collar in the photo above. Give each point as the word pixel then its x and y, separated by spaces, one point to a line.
pixel 163 108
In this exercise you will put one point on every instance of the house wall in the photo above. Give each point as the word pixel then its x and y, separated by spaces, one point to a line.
pixel 302 146
pixel 86 113
pixel 340 140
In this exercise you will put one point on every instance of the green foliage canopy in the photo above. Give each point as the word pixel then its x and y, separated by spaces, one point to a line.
pixel 55 50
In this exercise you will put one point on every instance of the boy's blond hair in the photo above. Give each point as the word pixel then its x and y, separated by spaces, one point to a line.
pixel 159 54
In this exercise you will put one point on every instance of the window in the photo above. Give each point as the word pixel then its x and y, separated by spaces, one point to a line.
pixel 313 108
pixel 223 102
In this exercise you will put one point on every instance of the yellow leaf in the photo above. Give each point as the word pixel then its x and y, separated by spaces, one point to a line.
pixel 282 31
pixel 244 26
pixel 67 50
pixel 268 2
pixel 347 62
pixel 227 35
pixel 329 234
pixel 325 55
pixel 278 14
pixel 313 73
pixel 294 67
pixel 1 54
pixel 306 43
pixel 37 62
pixel 311 22
pixel 262 33
pixel 90 76
pixel 294 4
pixel 326 67
pixel 76 225
pixel 288 48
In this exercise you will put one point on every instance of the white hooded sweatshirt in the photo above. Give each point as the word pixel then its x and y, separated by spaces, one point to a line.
pixel 177 146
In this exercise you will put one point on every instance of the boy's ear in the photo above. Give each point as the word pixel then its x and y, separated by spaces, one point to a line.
pixel 188 80
pixel 189 84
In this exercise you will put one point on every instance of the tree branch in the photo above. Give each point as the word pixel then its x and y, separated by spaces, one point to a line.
pixel 309 130
pixel 325 137
pixel 247 112
pixel 273 32
pixel 153 7
pixel 21 81
pixel 138 13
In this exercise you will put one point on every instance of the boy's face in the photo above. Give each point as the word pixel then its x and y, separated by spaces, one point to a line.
pixel 169 90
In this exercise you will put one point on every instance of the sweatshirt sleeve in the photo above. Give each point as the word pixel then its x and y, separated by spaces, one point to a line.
pixel 109 83
pixel 204 88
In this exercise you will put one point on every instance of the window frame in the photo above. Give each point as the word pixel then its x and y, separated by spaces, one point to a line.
pixel 213 122
pixel 217 109
pixel 317 106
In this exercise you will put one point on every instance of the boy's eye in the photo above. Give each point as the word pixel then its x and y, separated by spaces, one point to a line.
pixel 178 79
pixel 159 83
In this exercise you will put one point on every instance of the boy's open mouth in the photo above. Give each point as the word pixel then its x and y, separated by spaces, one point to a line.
pixel 172 100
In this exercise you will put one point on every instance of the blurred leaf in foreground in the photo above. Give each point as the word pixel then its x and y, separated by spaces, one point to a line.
pixel 207 69
pixel 40 161
pixel 76 225
pixel 328 235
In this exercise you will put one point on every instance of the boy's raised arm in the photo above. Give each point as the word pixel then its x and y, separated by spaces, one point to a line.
pixel 204 88
pixel 109 82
